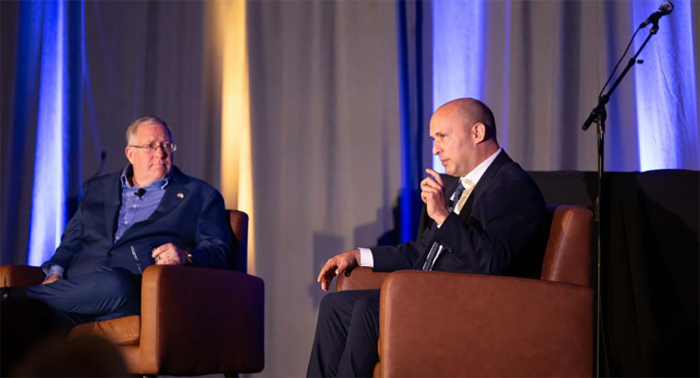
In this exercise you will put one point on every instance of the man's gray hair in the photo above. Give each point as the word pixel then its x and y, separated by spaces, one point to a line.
pixel 131 130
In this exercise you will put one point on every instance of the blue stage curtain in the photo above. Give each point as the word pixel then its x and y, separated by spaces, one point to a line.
pixel 44 160
pixel 541 64
pixel 414 40
pixel 666 90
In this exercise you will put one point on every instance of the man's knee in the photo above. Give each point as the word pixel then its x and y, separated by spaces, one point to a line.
pixel 118 282
pixel 366 307
pixel 338 307
pixel 330 303
pixel 342 306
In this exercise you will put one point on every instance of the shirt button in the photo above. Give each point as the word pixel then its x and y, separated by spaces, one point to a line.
pixel 135 206
pixel 110 254
pixel 126 222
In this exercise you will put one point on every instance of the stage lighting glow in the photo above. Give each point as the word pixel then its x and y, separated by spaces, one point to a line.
pixel 236 154
pixel 666 90
pixel 48 214
pixel 458 52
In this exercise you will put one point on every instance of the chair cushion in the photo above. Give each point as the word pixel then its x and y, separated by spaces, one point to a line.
pixel 121 331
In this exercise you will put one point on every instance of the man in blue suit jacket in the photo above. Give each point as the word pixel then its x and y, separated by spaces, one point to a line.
pixel 492 220
pixel 150 213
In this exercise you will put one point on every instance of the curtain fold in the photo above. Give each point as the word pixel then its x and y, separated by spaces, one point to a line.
pixel 20 67
pixel 541 64
pixel 415 65
pixel 326 151
pixel 42 167
pixel 58 153
pixel 232 69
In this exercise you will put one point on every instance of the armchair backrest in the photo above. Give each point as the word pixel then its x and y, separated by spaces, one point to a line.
pixel 568 254
pixel 239 226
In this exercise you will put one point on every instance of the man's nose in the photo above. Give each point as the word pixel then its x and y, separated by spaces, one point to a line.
pixel 161 151
pixel 436 149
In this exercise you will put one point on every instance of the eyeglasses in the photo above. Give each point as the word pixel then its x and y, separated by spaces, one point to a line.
pixel 151 147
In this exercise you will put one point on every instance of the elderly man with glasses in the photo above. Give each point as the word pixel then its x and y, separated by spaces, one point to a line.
pixel 149 213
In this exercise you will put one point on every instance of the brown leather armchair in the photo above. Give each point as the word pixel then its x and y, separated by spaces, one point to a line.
pixel 446 324
pixel 193 321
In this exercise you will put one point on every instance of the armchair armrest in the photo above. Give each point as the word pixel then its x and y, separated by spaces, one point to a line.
pixel 445 324
pixel 213 316
pixel 360 278
pixel 20 275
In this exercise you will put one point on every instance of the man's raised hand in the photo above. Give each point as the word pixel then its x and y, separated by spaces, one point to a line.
pixel 433 195
pixel 336 266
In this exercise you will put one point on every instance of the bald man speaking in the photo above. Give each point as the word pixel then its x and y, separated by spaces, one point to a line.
pixel 491 220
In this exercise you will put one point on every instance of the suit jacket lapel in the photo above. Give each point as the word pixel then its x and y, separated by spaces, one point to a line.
pixel 501 159
pixel 175 192
pixel 113 200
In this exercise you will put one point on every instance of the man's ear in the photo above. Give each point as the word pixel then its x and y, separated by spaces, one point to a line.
pixel 479 132
pixel 129 152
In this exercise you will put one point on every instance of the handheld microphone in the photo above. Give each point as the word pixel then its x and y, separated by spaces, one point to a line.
pixel 430 259
pixel 139 193
pixel 664 9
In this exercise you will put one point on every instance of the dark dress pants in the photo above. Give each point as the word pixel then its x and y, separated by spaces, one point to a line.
pixel 107 293
pixel 347 333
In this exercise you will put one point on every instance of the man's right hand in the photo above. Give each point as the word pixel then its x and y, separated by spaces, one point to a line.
pixel 336 265
pixel 51 279
pixel 433 195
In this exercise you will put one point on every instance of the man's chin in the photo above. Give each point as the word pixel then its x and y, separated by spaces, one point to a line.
pixel 160 173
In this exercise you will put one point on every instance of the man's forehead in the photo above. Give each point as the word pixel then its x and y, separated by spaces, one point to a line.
pixel 151 126
pixel 149 129
pixel 443 121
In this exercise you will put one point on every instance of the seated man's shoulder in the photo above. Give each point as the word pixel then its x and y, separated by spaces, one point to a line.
pixel 108 178
pixel 512 171
pixel 516 180
pixel 197 184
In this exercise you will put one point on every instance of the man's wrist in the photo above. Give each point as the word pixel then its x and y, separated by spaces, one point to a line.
pixel 54 269
pixel 440 218
pixel 356 254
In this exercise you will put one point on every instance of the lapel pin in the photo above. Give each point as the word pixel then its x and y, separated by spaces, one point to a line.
pixel 180 195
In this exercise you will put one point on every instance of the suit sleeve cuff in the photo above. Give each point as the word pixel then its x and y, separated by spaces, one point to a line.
pixel 366 258
pixel 53 269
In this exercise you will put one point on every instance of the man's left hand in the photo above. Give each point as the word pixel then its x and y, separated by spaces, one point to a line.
pixel 433 195
pixel 169 254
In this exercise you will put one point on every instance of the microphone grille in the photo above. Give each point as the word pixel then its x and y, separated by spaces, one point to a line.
pixel 666 7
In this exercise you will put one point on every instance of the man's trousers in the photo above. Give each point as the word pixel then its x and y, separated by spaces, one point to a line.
pixel 107 293
pixel 347 333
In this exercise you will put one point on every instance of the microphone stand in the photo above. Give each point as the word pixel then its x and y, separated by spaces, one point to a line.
pixel 599 115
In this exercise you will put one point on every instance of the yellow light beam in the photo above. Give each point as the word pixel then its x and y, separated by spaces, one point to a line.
pixel 236 162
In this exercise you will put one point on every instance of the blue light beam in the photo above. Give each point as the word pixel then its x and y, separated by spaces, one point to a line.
pixel 666 91
pixel 458 52
pixel 48 214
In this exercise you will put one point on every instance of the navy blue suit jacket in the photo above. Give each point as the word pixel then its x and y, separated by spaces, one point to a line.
pixel 501 230
pixel 190 215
